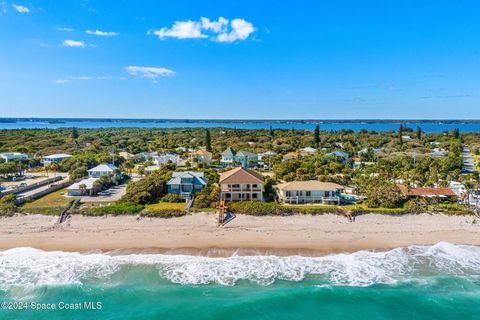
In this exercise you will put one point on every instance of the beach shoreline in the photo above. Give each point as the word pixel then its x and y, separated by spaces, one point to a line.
pixel 198 234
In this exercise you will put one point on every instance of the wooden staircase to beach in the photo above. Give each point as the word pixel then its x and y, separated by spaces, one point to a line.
pixel 224 216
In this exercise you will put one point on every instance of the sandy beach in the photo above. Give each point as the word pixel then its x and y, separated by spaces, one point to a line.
pixel 198 233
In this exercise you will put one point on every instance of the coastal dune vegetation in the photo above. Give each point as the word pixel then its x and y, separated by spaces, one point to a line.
pixel 378 162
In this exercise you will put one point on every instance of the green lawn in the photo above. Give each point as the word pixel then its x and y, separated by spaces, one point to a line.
pixel 54 199
pixel 165 206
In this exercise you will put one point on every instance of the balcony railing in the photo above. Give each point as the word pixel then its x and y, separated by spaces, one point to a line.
pixel 227 189
pixel 310 199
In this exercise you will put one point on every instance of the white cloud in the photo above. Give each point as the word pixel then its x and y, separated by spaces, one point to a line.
pixel 149 72
pixel 65 29
pixel 61 81
pixel 73 43
pixel 181 30
pixel 102 33
pixel 21 9
pixel 221 30
pixel 82 78
pixel 215 26
pixel 241 29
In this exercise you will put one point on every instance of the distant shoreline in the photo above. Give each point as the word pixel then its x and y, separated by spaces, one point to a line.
pixel 263 121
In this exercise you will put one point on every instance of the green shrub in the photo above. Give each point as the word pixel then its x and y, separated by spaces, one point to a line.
pixel 8 209
pixel 119 208
pixel 254 208
pixel 172 198
pixel 49 211
pixel 162 213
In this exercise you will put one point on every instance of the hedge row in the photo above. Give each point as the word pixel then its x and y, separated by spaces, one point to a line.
pixel 256 208
pixel 162 213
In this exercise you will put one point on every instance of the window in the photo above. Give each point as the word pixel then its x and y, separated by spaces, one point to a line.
pixel 254 185
pixel 308 193
pixel 254 196
pixel 227 195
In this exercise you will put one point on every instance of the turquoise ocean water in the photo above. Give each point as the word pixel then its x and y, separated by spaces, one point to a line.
pixel 418 282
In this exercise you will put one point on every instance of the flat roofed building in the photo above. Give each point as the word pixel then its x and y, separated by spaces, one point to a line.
pixel 300 192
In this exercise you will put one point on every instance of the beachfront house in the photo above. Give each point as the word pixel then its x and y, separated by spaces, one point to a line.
pixel 9 156
pixel 82 188
pixel 301 192
pixel 104 169
pixel 202 156
pixel 186 183
pixel 164 158
pixel 445 193
pixel 307 151
pixel 340 155
pixel 245 159
pixel 241 184
pixel 55 158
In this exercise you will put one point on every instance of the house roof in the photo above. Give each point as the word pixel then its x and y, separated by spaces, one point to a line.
pixel 152 168
pixel 268 153
pixel 240 175
pixel 201 152
pixel 291 154
pixel 197 176
pixel 87 182
pixel 12 154
pixel 229 151
pixel 57 155
pixel 104 167
pixel 308 150
pixel 243 153
pixel 426 192
pixel 312 185
pixel 338 154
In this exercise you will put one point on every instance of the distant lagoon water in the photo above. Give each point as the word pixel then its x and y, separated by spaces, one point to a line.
pixel 355 126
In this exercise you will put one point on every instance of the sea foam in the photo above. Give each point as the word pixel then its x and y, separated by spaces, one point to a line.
pixel 33 267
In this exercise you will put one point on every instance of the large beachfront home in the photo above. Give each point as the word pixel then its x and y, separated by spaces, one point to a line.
pixel 427 192
pixel 299 192
pixel 82 188
pixel 202 156
pixel 164 158
pixel 101 170
pixel 55 158
pixel 243 158
pixel 9 156
pixel 186 183
pixel 241 184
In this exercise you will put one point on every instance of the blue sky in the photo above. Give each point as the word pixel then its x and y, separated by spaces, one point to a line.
pixel 240 59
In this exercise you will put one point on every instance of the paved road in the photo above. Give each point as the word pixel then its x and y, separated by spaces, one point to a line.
pixel 468 163
pixel 32 192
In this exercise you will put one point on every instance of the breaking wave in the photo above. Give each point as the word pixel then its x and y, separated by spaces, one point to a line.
pixel 28 266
